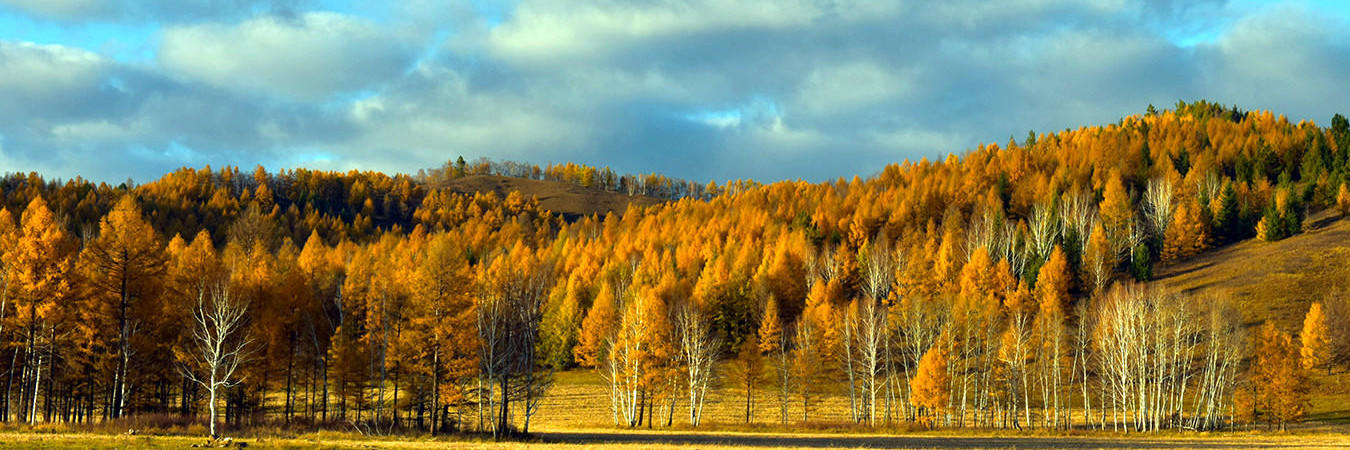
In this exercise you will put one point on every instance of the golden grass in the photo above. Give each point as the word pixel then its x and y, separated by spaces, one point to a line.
pixel 1271 280
pixel 663 440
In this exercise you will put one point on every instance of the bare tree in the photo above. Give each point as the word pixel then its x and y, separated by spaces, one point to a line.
pixel 871 336
pixel 1044 228
pixel 1078 213
pixel 699 347
pixel 220 342
pixel 1158 205
pixel 509 311
pixel 1210 186
pixel 983 232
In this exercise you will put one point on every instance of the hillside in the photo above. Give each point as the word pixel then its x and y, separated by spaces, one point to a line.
pixel 973 260
pixel 1271 280
pixel 1278 281
pixel 569 200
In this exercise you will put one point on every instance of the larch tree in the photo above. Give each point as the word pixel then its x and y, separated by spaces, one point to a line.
pixel 747 372
pixel 1117 211
pixel 1279 377
pixel 443 321
pixel 42 264
pixel 1099 260
pixel 9 237
pixel 1052 295
pixel 929 390
pixel 125 265
pixel 1316 349
pixel 596 329
pixel 774 341
pixel 1186 236
pixel 1343 200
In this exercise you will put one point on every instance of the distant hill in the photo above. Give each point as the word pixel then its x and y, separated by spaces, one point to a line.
pixel 567 199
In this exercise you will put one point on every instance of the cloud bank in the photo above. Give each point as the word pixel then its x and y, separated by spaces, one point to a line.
pixel 697 89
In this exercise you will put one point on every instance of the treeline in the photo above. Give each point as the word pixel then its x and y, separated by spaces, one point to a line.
pixel 341 206
pixel 652 185
pixel 975 291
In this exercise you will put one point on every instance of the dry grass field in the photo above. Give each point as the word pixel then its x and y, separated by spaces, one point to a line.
pixel 608 439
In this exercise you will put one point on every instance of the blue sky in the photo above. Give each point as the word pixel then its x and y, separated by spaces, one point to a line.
pixel 699 89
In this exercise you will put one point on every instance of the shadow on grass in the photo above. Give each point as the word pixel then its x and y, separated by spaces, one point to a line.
pixel 1340 417
pixel 892 441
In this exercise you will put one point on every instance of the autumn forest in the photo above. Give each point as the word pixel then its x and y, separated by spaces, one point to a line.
pixel 1004 288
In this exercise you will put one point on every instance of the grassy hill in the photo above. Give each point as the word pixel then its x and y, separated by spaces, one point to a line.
pixel 1271 280
pixel 1277 281
pixel 569 200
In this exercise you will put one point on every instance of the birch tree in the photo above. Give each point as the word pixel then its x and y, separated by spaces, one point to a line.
pixel 699 347
pixel 220 343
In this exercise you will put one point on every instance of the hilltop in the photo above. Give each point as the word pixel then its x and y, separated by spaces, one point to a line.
pixel 566 199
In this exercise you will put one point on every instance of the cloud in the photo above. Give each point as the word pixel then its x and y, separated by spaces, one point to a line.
pixel 308 57
pixel 696 89
pixel 543 32
pixel 46 79
pixel 77 11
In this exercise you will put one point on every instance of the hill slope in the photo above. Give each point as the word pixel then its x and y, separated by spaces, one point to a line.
pixel 1271 280
pixel 1277 281
pixel 569 200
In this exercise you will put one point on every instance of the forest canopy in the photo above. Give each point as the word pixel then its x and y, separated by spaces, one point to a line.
pixel 388 300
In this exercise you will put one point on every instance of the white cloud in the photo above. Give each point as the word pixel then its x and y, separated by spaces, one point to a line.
pixel 37 78
pixel 550 31
pixel 840 88
pixel 309 57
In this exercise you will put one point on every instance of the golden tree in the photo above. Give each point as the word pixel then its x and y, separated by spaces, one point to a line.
pixel 41 261
pixel 1279 378
pixel 929 389
pixel 124 266
pixel 1099 259
pixel 1186 235
pixel 747 371
pixel 1116 209
pixel 1316 348
pixel 1343 200
pixel 598 326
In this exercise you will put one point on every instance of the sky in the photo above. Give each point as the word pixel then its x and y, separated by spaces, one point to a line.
pixel 698 89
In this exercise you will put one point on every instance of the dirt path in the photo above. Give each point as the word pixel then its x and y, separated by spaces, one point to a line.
pixel 896 441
